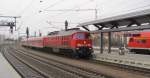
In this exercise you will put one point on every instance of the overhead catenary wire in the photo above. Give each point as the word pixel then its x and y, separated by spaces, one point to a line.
pixel 19 26
pixel 52 5
pixel 23 11
pixel 73 9
pixel 56 3
pixel 59 22
pixel 76 6
pixel 93 9
pixel 63 10
pixel 130 10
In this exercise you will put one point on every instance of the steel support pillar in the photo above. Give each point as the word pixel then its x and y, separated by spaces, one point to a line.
pixel 109 40
pixel 101 42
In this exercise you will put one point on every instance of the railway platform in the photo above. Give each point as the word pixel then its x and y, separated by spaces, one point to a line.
pixel 136 60
pixel 6 70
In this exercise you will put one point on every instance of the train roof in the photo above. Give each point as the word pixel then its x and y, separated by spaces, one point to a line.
pixel 139 34
pixel 33 38
pixel 57 33
pixel 145 34
pixel 65 33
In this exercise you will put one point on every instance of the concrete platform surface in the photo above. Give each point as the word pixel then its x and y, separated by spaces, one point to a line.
pixel 6 70
pixel 136 60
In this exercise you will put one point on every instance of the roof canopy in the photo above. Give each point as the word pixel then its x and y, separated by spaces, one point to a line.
pixel 126 22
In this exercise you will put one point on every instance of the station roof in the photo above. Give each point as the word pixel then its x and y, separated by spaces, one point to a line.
pixel 125 20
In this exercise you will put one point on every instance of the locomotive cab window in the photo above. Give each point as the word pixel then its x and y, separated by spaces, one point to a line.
pixel 81 36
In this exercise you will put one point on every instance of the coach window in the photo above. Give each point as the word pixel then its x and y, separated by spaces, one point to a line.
pixel 131 40
pixel 143 41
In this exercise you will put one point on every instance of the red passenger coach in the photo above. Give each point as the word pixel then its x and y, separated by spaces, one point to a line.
pixel 73 41
pixel 139 42
pixel 33 42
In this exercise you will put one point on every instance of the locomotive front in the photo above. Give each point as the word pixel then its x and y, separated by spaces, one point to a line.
pixel 82 44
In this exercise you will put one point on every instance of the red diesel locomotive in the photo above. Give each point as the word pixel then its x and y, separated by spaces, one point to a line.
pixel 73 41
pixel 139 42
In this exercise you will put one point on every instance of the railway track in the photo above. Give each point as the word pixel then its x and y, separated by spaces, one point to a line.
pixel 56 67
pixel 64 70
pixel 137 70
pixel 98 69
pixel 23 69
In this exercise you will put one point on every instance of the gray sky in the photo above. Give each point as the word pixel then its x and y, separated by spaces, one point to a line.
pixel 35 20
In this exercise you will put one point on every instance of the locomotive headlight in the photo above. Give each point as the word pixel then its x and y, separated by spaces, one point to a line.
pixel 77 48
pixel 89 44
pixel 84 42
pixel 79 44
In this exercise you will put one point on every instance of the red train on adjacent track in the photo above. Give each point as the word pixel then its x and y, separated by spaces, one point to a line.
pixel 72 41
pixel 139 42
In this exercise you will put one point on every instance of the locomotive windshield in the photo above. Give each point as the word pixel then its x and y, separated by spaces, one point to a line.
pixel 80 36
